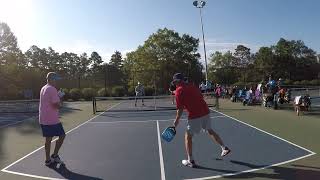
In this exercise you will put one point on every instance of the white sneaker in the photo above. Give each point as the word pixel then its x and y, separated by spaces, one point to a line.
pixel 225 152
pixel 189 163
pixel 57 159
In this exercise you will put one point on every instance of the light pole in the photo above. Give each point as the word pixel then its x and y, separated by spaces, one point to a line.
pixel 200 4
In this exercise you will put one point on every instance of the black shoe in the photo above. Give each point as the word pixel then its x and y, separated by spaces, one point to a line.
pixel 56 159
pixel 49 162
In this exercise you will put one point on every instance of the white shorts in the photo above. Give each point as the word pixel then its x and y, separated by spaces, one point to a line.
pixel 196 125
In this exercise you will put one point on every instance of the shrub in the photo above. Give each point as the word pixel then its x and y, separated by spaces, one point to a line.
pixel 118 91
pixel 288 82
pixel 103 92
pixel 315 82
pixel 149 91
pixel 297 83
pixel 88 93
pixel 304 82
pixel 75 94
pixel 131 91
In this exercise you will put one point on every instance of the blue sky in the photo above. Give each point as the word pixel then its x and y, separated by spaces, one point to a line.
pixel 106 26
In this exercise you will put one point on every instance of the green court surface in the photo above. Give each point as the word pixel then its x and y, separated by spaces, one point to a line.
pixel 20 139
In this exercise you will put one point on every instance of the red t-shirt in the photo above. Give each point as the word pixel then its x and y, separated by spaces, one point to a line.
pixel 190 98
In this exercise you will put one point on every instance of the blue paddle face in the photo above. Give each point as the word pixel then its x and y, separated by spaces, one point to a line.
pixel 168 134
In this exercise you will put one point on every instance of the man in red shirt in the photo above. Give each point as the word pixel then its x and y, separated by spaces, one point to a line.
pixel 190 98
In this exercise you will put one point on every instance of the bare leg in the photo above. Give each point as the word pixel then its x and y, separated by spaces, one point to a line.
pixel 47 147
pixel 188 145
pixel 59 144
pixel 217 103
pixel 215 137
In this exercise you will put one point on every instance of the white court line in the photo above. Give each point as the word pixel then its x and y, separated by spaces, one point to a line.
pixel 30 175
pixel 204 178
pixel 15 122
pixel 10 124
pixel 143 121
pixel 265 132
pixel 252 170
pixel 163 173
pixel 43 177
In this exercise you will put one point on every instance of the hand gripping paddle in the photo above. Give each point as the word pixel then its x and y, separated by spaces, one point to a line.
pixel 169 133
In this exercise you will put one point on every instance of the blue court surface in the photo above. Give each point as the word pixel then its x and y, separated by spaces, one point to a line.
pixel 127 145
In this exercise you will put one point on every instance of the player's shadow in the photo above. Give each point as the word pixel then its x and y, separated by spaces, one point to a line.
pixel 214 169
pixel 303 166
pixel 279 173
pixel 67 174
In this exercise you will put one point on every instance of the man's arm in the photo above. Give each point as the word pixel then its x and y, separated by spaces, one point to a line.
pixel 55 99
pixel 178 116
pixel 180 107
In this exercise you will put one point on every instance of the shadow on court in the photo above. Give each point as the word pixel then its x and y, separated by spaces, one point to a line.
pixel 283 173
pixel 214 169
pixel 66 173
pixel 303 166
pixel 32 126
pixel 23 123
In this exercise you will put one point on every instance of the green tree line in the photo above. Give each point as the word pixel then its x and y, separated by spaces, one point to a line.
pixel 288 59
pixel 152 64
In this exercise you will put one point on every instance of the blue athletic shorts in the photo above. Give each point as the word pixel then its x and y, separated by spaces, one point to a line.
pixel 52 130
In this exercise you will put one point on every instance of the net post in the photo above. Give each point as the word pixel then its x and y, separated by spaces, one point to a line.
pixel 94 105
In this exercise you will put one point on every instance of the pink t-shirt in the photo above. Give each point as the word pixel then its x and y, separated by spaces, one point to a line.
pixel 48 114
pixel 218 91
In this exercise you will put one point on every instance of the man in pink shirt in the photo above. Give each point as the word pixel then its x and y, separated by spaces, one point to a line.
pixel 49 117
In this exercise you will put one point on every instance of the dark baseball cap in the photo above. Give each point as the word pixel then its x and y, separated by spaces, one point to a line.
pixel 178 77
